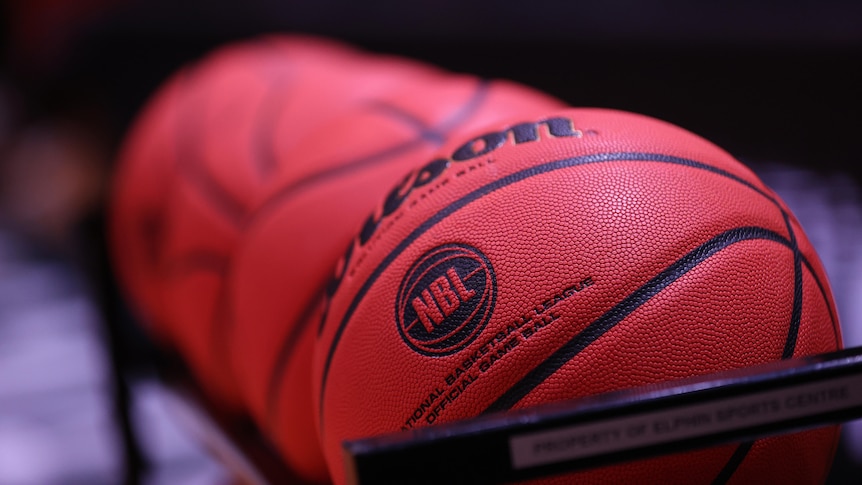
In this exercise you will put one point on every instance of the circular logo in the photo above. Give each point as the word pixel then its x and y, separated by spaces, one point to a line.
pixel 445 299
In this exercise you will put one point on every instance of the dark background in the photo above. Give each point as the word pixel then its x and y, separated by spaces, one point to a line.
pixel 764 79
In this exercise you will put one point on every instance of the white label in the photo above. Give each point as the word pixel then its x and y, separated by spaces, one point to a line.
pixel 688 421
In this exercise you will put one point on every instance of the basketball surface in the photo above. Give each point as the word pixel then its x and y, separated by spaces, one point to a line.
pixel 290 245
pixel 243 182
pixel 192 170
pixel 565 255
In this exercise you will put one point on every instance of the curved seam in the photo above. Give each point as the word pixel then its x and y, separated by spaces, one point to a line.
pixel 189 136
pixel 476 100
pixel 263 149
pixel 491 187
pixel 623 309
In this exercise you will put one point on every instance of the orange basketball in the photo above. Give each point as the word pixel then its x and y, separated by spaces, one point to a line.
pixel 198 162
pixel 566 255
pixel 243 182
pixel 291 243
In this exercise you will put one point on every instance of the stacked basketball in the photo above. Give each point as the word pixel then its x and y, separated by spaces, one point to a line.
pixel 496 252
pixel 243 182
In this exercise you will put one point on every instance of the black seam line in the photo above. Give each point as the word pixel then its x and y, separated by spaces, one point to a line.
pixel 222 327
pixel 796 312
pixel 363 162
pixel 624 308
pixel 789 343
pixel 469 108
pixel 491 187
pixel 835 328
pixel 825 295
pixel 483 89
pixel 354 166
pixel 286 353
pixel 187 141
pixel 263 148
pixel 426 131
pixel 733 463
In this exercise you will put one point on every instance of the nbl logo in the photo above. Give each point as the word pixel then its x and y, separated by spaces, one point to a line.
pixel 445 299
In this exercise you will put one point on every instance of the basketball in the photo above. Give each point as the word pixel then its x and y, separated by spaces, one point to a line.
pixel 197 163
pixel 293 240
pixel 565 255
pixel 241 185
pixel 190 172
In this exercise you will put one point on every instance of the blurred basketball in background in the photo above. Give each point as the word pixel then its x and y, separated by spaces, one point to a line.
pixel 565 255
pixel 198 162
pixel 243 182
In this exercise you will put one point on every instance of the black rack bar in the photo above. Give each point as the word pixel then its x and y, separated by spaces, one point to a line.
pixel 740 405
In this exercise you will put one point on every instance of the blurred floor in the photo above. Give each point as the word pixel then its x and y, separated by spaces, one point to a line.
pixel 56 425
